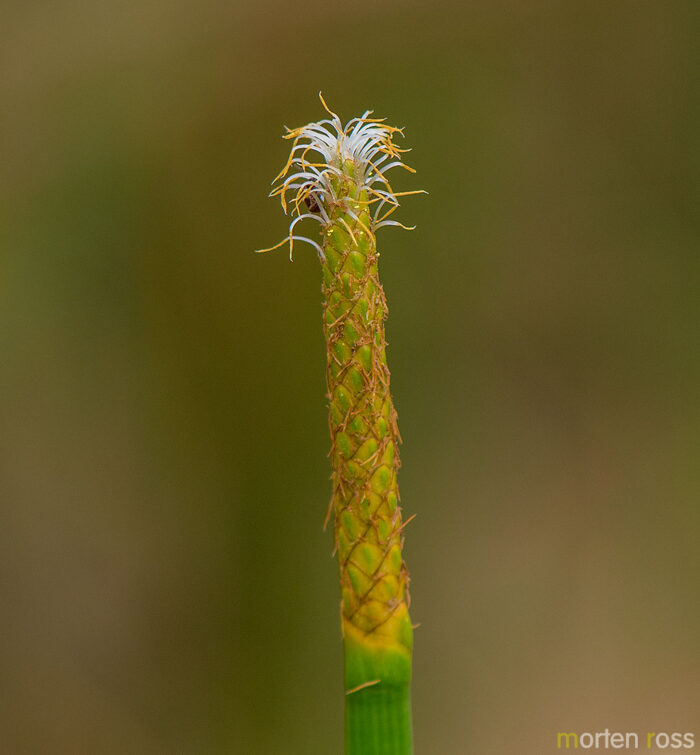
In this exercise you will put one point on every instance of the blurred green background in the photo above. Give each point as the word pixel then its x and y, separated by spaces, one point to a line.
pixel 166 584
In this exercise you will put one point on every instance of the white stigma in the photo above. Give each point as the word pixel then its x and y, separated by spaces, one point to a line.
pixel 324 158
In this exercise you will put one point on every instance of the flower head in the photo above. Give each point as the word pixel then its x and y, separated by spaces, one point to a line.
pixel 334 170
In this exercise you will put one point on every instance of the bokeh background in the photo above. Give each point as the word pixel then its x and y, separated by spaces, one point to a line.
pixel 166 584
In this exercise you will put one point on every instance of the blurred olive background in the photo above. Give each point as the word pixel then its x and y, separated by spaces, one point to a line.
pixel 166 584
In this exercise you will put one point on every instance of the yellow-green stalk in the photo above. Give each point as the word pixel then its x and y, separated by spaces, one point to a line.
pixel 337 175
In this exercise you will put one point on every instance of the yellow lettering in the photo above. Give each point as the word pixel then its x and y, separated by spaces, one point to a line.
pixel 566 737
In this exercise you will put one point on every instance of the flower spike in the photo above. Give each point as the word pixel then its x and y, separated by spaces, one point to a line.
pixel 337 175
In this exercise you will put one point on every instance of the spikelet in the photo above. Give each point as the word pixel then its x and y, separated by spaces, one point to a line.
pixel 337 176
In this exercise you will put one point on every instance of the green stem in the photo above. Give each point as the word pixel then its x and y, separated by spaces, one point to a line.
pixel 378 697
pixel 378 721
